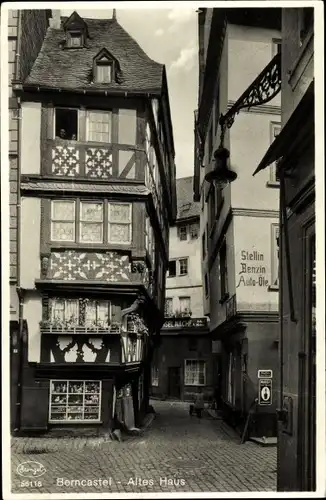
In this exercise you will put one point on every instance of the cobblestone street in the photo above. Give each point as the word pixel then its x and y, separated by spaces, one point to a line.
pixel 178 453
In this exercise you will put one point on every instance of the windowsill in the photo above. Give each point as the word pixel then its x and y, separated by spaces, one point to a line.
pixel 294 74
pixel 273 184
pixel 273 288
pixel 194 385
pixel 225 297
pixel 56 245
pixel 75 422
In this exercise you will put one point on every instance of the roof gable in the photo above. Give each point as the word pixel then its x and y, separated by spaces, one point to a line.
pixel 74 22
pixel 105 56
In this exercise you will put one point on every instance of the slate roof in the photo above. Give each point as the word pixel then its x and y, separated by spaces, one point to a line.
pixel 186 206
pixel 57 67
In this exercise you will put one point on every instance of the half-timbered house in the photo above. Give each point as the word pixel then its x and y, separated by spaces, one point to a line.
pixel 97 187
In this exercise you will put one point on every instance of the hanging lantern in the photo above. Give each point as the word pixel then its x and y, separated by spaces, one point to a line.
pixel 221 175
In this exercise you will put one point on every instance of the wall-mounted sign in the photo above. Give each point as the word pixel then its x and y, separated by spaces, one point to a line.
pixel 265 373
pixel 253 270
pixel 265 391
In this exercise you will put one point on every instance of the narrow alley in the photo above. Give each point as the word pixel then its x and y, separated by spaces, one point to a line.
pixel 177 453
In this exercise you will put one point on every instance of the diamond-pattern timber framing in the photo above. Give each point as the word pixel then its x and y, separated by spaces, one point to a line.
pixel 98 163
pixel 65 160
pixel 71 265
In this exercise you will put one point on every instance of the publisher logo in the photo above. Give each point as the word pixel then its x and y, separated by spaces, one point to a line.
pixel 31 469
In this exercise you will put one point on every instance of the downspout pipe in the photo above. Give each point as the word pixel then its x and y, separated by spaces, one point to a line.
pixel 19 291
pixel 281 294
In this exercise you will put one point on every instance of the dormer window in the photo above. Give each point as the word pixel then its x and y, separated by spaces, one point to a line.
pixel 76 31
pixel 75 40
pixel 106 68
pixel 103 72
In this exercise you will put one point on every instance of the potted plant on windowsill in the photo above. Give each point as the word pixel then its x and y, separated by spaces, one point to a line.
pixel 115 327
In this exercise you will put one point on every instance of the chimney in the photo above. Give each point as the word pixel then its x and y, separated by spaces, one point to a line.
pixel 114 14
pixel 55 20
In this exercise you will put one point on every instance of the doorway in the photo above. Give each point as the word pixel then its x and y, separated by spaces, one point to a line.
pixel 174 382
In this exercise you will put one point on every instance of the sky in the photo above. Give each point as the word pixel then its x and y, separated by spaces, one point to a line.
pixel 169 36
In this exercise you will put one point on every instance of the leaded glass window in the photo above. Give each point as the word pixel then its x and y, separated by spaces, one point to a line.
pixel 97 313
pixel 63 220
pixel 91 222
pixel 119 222
pixel 65 310
pixel 195 372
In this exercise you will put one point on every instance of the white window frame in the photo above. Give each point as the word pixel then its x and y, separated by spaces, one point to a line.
pixel 125 223
pixel 186 309
pixel 275 126
pixel 65 302
pixel 73 202
pixel 185 372
pixel 104 63
pixel 98 111
pixel 109 309
pixel 274 258
pixel 89 202
pixel 75 35
pixel 179 266
pixel 65 381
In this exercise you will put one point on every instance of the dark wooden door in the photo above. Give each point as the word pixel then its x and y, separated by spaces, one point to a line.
pixel 174 382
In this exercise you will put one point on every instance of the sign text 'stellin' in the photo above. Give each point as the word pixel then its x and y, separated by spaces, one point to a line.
pixel 253 271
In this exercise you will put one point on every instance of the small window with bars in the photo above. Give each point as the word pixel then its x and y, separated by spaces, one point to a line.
pixel 182 230
pixel 168 308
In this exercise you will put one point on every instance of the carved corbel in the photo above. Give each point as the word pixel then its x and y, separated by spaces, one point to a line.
pixel 45 261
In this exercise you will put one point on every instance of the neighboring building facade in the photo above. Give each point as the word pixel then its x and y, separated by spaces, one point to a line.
pixel 239 223
pixel 26 32
pixel 97 190
pixel 182 364
pixel 294 149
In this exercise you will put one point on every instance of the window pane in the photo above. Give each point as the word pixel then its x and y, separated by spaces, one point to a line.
pixel 185 304
pixel 63 210
pixel 92 212
pixel 103 312
pixel 119 233
pixel 183 263
pixel 71 311
pixel 63 231
pixel 104 73
pixel 99 125
pixel 168 306
pixel 90 232
pixel 57 310
pixel 90 316
pixel 119 212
